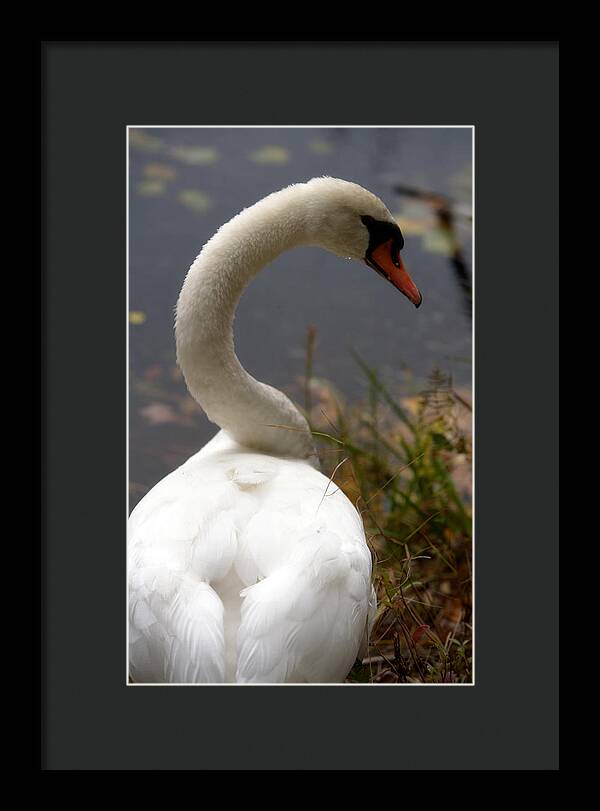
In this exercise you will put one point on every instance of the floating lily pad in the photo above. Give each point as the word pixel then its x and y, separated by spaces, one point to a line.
pixel 320 147
pixel 195 200
pixel 274 155
pixel 159 171
pixel 195 155
pixel 151 188
pixel 438 241
pixel 137 317
pixel 141 140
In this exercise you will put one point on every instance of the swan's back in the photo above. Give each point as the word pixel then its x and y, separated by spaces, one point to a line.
pixel 246 567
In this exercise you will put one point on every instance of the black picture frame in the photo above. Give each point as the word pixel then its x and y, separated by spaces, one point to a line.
pixel 90 719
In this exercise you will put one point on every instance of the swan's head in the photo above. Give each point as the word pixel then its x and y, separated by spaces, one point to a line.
pixel 350 221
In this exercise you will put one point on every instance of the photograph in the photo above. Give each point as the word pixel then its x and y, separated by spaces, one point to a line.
pixel 300 386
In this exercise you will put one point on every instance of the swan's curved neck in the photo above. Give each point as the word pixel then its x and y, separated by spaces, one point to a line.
pixel 246 409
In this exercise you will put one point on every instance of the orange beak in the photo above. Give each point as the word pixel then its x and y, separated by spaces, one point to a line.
pixel 394 271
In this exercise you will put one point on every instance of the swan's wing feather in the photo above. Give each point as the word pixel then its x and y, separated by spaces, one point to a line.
pixel 305 621
pixel 175 629
pixel 179 541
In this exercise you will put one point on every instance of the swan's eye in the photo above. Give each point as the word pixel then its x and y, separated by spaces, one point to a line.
pixel 395 249
pixel 382 232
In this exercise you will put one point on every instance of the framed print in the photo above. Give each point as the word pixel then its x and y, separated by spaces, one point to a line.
pixel 332 495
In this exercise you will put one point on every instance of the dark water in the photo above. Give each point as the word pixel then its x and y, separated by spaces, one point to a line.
pixel 184 183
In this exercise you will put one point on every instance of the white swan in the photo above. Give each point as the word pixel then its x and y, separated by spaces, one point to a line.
pixel 246 564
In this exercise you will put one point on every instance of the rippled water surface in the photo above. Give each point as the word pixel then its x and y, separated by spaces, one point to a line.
pixel 184 183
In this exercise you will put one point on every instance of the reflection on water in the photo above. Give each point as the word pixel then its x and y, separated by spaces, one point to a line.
pixel 184 183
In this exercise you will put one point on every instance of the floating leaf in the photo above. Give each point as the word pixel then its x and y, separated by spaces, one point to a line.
pixel 159 414
pixel 275 155
pixel 195 155
pixel 195 200
pixel 159 171
pixel 136 487
pixel 153 372
pixel 141 140
pixel 137 317
pixel 320 147
pixel 438 241
pixel 151 188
